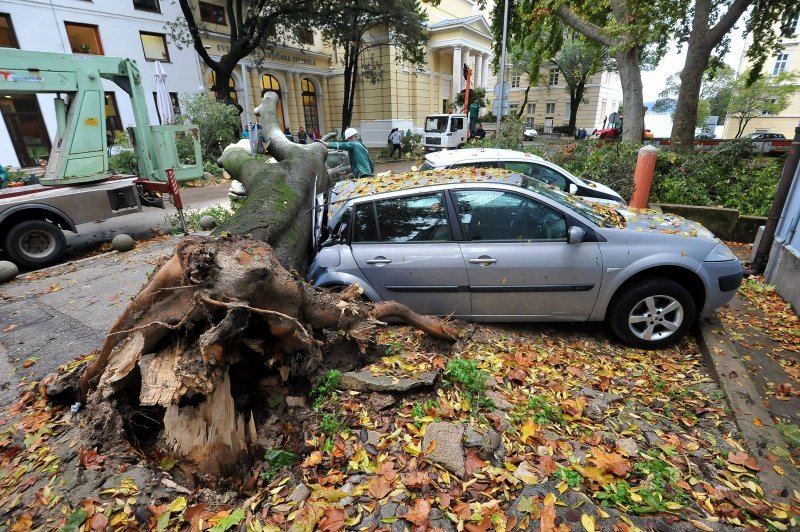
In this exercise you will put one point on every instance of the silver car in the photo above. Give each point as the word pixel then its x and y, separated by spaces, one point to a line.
pixel 497 247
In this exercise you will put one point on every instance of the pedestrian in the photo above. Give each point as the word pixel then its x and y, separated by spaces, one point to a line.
pixel 394 138
pixel 302 136
pixel 314 135
pixel 480 133
pixel 360 161
pixel 288 134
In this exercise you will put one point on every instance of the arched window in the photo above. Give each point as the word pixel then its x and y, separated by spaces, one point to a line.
pixel 310 106
pixel 212 80
pixel 271 83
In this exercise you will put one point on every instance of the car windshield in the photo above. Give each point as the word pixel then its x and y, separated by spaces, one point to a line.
pixel 602 215
pixel 436 124
pixel 426 166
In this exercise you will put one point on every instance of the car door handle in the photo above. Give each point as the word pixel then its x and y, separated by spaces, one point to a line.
pixel 377 260
pixel 483 260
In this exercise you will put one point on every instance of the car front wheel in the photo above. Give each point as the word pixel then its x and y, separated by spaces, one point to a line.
pixel 652 313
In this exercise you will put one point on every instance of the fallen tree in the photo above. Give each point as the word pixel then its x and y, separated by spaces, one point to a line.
pixel 227 324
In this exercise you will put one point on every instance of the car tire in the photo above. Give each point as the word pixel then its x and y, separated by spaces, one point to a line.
pixel 35 244
pixel 652 313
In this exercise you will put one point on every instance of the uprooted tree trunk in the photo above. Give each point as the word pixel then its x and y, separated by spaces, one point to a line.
pixel 227 323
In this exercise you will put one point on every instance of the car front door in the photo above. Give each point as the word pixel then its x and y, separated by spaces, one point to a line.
pixel 538 172
pixel 405 249
pixel 518 261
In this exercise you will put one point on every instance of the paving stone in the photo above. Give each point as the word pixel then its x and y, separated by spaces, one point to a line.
pixel 300 493
pixel 449 450
pixel 629 446
pixel 364 380
pixel 499 401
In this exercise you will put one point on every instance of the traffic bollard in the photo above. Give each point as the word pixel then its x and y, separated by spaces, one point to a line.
pixel 643 176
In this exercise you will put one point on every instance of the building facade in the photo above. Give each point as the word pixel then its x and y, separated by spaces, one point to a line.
pixel 308 77
pixel 122 28
pixel 786 60
pixel 548 106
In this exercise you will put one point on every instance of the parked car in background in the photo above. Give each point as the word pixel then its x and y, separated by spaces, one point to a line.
pixel 765 136
pixel 490 250
pixel 529 134
pixel 705 135
pixel 526 164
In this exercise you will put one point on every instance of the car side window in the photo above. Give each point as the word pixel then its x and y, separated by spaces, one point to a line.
pixel 420 218
pixel 365 229
pixel 481 164
pixel 495 215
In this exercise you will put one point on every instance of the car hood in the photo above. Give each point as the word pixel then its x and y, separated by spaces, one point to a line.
pixel 657 222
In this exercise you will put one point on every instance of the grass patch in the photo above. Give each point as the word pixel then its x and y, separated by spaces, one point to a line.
pixel 325 387
pixel 219 212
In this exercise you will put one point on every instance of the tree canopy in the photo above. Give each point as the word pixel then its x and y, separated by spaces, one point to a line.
pixel 252 28
pixel 767 95
pixel 367 31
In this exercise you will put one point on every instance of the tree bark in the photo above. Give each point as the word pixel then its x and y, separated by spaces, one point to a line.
pixel 685 119
pixel 630 75
pixel 575 98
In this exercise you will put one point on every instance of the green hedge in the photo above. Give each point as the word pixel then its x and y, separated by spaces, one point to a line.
pixel 727 176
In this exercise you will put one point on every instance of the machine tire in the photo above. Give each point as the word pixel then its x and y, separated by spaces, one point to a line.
pixel 35 244
pixel 656 305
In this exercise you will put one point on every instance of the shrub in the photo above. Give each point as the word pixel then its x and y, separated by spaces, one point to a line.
pixel 218 123
pixel 124 162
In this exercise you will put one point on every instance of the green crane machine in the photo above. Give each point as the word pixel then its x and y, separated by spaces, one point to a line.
pixel 79 153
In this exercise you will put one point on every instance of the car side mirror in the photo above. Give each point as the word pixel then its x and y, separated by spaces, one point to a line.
pixel 575 235
pixel 573 188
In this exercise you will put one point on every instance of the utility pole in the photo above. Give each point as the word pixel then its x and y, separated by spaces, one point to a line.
pixel 502 65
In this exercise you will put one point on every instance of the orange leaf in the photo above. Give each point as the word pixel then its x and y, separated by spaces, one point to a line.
pixel 548 517
pixel 315 458
pixel 431 447
pixel 332 520
pixel 462 511
pixel 22 524
pixel 611 462
pixel 758 423
pixel 90 459
pixel 473 462
pixel 744 460
pixel 379 487
pixel 98 522
pixel 419 513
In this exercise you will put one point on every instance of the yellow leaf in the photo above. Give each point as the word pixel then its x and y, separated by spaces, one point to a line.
pixel 671 505
pixel 529 428
pixel 635 497
pixel 701 525
pixel 178 505
pixel 778 469
pixel 601 513
pixel 588 522
pixel 758 423
pixel 550 498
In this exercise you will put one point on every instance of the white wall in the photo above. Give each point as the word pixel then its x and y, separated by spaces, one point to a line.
pixel 39 26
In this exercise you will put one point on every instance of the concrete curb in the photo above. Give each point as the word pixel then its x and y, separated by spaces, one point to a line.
pixel 747 406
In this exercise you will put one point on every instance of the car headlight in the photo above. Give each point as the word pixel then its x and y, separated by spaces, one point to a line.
pixel 720 253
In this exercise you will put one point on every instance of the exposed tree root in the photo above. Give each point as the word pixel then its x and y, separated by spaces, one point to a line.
pixel 237 307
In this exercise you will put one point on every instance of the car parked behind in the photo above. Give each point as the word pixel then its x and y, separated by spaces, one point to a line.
pixel 526 164
pixel 478 245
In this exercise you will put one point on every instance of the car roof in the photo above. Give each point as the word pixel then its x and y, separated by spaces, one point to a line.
pixel 446 158
pixel 349 189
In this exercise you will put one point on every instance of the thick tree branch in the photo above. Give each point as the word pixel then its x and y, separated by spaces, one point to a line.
pixel 592 31
pixel 735 11
pixel 197 41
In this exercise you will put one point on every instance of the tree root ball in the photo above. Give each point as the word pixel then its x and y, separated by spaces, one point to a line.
pixel 123 243
pixel 8 270
pixel 207 223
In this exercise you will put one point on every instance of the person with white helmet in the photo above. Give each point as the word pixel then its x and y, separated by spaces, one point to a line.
pixel 359 156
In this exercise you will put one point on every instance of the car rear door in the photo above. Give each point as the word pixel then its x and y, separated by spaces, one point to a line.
pixel 405 249
pixel 518 261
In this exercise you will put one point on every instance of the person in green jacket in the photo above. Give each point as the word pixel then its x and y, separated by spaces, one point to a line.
pixel 359 156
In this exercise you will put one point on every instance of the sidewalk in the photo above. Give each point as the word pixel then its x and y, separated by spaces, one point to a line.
pixel 752 346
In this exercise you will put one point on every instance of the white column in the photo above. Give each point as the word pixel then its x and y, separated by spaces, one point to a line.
pixel 456 71
pixel 485 73
pixel 478 82
pixel 464 60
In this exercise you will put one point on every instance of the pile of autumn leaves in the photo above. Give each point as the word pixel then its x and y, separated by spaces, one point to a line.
pixel 368 468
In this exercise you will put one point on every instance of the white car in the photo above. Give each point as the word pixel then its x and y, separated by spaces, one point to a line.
pixel 529 134
pixel 526 164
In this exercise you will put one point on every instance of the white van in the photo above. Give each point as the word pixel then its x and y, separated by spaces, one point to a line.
pixel 445 132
